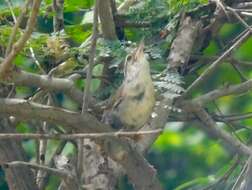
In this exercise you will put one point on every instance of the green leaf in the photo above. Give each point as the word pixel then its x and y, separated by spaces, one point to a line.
pixel 23 127
pixel 77 5
pixel 244 52
pixel 78 33
pixel 212 49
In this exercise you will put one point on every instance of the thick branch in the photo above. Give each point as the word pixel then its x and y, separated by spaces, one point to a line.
pixel 182 45
pixel 24 78
pixel 80 123
pixel 71 120
pixel 107 21
pixel 141 174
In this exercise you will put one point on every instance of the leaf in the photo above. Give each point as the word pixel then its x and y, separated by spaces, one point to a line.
pixel 77 5
pixel 78 33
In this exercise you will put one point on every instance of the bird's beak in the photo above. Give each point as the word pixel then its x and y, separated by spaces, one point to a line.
pixel 139 50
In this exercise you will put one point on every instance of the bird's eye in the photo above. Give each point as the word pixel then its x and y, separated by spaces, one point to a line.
pixel 126 63
pixel 128 58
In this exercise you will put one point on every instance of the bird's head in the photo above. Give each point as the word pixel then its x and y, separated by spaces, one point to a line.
pixel 136 62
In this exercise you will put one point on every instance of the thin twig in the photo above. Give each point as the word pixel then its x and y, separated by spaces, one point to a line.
pixel 242 21
pixel 240 177
pixel 54 171
pixel 88 83
pixel 225 176
pixel 6 66
pixel 236 67
pixel 237 37
pixel 220 4
pixel 209 126
pixel 76 135
pixel 214 65
pixel 33 56
pixel 12 38
pixel 234 117
pixel 230 124
pixel 246 183
pixel 9 3
pixel 43 146
pixel 244 5
pixel 246 13
pixel 50 164
pixel 91 59
pixel 17 22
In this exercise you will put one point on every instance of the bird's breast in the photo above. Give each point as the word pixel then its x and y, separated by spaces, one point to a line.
pixel 136 108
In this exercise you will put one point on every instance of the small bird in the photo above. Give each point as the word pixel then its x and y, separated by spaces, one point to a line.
pixel 132 105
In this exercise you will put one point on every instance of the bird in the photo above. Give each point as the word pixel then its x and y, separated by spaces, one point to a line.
pixel 131 106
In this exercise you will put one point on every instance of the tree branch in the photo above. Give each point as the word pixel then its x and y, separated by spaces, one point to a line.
pixel 225 91
pixel 91 59
pixel 51 164
pixel 107 21
pixel 49 83
pixel 58 18
pixel 54 171
pixel 24 11
pixel 78 122
pixel 247 183
pixel 210 127
pixel 6 66
pixel 71 120
pixel 215 64
pixel 124 7
pixel 69 179
pixel 74 136
pixel 141 174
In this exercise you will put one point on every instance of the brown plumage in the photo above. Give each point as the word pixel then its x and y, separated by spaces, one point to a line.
pixel 134 100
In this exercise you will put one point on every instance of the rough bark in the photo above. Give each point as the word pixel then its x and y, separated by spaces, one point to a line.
pixel 107 21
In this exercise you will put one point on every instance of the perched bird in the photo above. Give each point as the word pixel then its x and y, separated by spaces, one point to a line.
pixel 131 106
